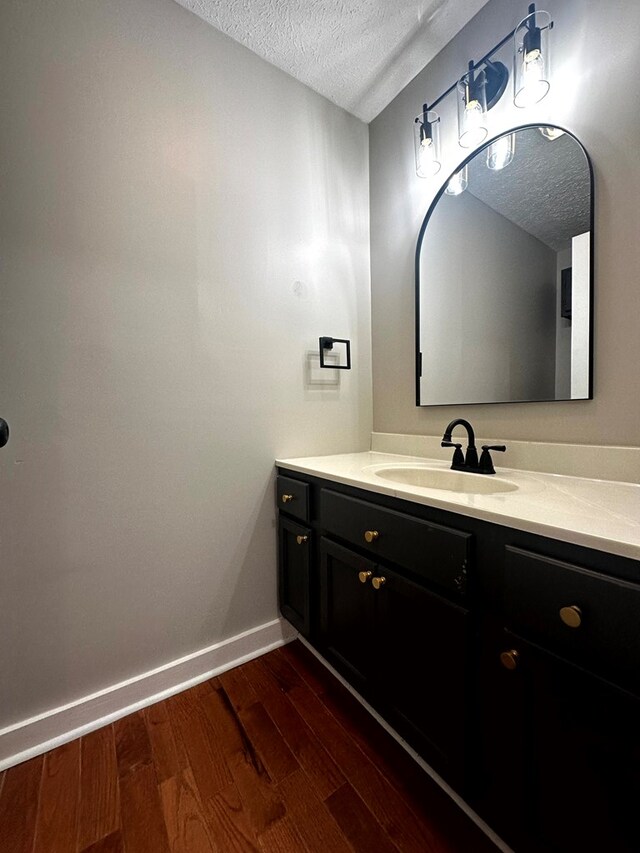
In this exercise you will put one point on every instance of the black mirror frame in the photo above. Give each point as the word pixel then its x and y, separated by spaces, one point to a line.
pixel 423 228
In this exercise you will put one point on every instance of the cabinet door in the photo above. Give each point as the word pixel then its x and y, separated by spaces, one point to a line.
pixel 581 755
pixel 422 659
pixel 346 612
pixel 294 574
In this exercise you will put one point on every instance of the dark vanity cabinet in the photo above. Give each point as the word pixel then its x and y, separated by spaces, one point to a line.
pixel 295 546
pixel 510 662
pixel 565 727
pixel 402 647
pixel 568 743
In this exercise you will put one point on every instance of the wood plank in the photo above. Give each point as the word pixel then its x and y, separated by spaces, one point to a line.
pixel 169 759
pixel 269 743
pixel 315 673
pixel 321 769
pixel 357 823
pixel 446 828
pixel 315 824
pixel 331 734
pixel 282 837
pixel 99 792
pixel 235 684
pixel 133 747
pixel 57 823
pixel 112 843
pixel 143 826
pixel 199 691
pixel 253 782
pixel 184 817
pixel 409 831
pixel 229 822
pixel 406 828
pixel 19 805
pixel 204 750
pixel 376 743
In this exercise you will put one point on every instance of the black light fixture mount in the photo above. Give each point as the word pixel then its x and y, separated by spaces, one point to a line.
pixel 497 76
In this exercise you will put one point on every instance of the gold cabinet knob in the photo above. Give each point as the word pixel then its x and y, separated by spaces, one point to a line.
pixel 363 577
pixel 509 660
pixel 378 582
pixel 571 616
pixel 302 539
pixel 286 499
pixel 371 535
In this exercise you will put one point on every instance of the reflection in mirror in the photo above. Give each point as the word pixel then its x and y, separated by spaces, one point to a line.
pixel 503 276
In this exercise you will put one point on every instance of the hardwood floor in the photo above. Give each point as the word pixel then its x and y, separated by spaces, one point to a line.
pixel 272 756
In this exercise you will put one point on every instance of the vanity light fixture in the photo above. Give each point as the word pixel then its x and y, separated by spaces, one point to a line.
pixel 427 143
pixel 480 89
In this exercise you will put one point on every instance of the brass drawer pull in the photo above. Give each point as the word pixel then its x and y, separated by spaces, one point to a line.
pixel 302 539
pixel 571 616
pixel 363 577
pixel 378 582
pixel 287 499
pixel 371 535
pixel 509 660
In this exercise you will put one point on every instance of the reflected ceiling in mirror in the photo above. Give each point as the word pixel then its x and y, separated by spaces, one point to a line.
pixel 504 276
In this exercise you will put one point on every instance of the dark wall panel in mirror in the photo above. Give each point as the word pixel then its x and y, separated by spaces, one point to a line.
pixel 504 276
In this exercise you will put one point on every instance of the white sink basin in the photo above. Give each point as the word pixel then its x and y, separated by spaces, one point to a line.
pixel 450 481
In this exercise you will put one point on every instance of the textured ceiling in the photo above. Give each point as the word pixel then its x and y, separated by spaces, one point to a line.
pixel 357 53
pixel 545 190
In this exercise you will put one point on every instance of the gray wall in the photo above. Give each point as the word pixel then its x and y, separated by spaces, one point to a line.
pixel 594 57
pixel 488 307
pixel 180 222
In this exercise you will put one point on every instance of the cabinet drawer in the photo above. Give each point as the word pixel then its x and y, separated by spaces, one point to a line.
pixel 604 613
pixel 429 550
pixel 293 497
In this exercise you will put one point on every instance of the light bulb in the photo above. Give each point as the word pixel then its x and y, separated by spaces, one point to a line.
pixel 428 164
pixel 458 183
pixel 472 109
pixel 500 153
pixel 474 130
pixel 534 85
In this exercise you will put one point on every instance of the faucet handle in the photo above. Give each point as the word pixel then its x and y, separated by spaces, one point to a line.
pixel 458 455
pixel 486 462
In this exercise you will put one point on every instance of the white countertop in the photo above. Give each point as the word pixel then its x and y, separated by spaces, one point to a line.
pixel 601 514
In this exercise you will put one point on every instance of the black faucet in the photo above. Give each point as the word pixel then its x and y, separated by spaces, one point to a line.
pixel 469 460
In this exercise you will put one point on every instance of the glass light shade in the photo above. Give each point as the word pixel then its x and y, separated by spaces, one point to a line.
pixel 531 59
pixel 427 144
pixel 472 109
pixel 459 182
pixel 551 133
pixel 500 153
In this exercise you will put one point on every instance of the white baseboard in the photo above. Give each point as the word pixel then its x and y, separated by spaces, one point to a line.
pixel 43 732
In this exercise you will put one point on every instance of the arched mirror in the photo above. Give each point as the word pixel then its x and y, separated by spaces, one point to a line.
pixel 504 272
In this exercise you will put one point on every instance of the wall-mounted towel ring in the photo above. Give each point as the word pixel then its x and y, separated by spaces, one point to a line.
pixel 326 344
